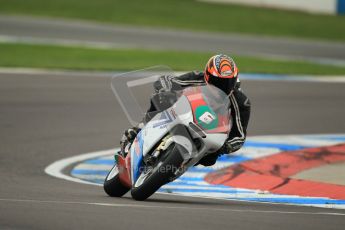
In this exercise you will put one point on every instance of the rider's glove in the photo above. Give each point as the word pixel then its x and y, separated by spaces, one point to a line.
pixel 166 83
pixel 128 137
pixel 130 134
pixel 163 84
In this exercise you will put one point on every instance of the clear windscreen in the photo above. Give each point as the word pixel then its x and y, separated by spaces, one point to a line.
pixel 211 108
pixel 137 92
pixel 134 90
pixel 176 110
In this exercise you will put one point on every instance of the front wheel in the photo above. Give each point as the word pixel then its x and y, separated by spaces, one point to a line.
pixel 112 184
pixel 163 172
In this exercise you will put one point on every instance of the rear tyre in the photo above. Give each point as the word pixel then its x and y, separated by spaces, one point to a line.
pixel 162 173
pixel 112 184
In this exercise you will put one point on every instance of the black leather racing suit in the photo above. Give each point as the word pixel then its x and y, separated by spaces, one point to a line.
pixel 240 111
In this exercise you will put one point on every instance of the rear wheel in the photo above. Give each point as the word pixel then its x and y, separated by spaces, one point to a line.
pixel 152 178
pixel 112 184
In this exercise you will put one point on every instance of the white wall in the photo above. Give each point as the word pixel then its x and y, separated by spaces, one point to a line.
pixel 312 6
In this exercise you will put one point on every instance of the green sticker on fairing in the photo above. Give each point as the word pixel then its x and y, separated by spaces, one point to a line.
pixel 206 117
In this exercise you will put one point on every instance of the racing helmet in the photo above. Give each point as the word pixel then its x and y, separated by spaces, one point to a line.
pixel 221 71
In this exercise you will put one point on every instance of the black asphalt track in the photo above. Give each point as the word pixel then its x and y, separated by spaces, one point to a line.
pixel 46 117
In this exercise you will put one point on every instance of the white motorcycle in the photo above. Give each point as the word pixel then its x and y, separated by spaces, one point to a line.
pixel 197 123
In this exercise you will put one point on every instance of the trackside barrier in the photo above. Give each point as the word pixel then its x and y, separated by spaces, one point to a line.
pixel 311 6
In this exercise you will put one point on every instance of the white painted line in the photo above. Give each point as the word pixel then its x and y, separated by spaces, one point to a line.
pixel 248 77
pixel 95 167
pixel 89 178
pixel 171 207
pixel 63 42
pixel 56 168
pixel 333 206
pixel 59 72
pixel 218 166
pixel 195 174
pixel 172 186
pixel 293 78
pixel 296 140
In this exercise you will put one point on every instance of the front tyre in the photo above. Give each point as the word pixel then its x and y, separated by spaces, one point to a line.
pixel 112 184
pixel 163 172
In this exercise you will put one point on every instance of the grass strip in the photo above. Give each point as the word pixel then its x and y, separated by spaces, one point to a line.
pixel 61 57
pixel 188 14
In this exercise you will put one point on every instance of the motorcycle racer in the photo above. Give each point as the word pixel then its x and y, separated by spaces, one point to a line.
pixel 222 72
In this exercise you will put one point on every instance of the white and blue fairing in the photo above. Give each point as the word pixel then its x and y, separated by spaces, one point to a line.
pixel 155 130
pixel 134 103
pixel 136 152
